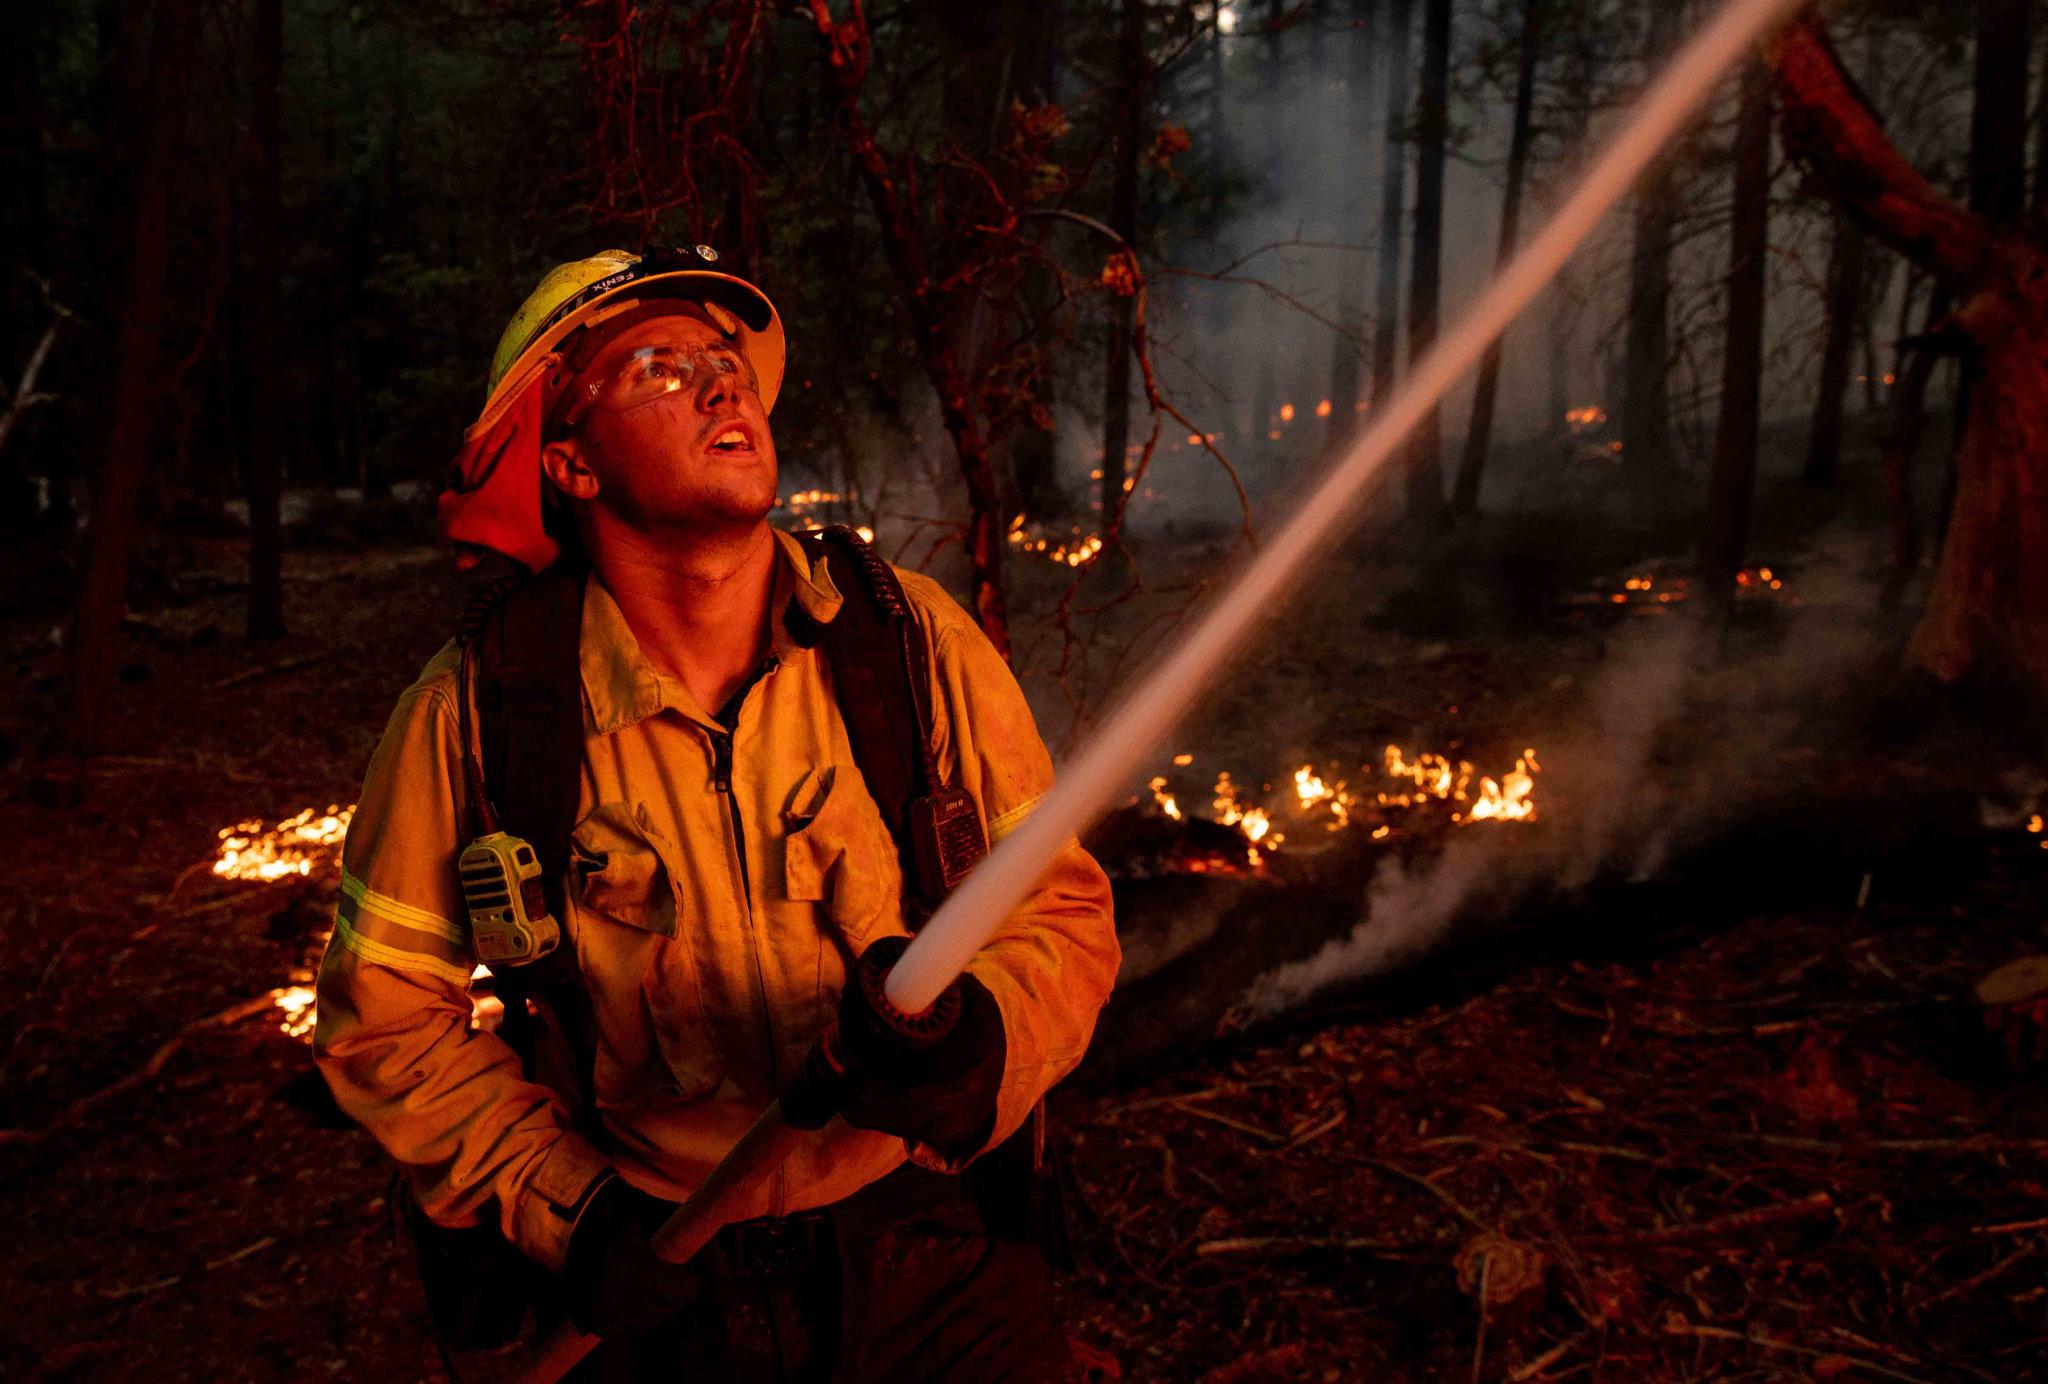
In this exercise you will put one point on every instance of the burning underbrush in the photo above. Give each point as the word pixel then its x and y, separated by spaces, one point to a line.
pixel 1244 826
pixel 299 847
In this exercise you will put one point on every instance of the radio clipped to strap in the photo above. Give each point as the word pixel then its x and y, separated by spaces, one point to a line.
pixel 509 922
pixel 945 838
pixel 503 881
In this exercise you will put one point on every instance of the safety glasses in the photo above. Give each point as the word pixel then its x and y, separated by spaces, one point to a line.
pixel 654 372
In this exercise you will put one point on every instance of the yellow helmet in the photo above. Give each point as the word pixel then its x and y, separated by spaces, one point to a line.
pixel 495 501
pixel 584 294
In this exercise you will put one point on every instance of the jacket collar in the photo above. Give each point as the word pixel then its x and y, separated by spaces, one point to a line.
pixel 621 685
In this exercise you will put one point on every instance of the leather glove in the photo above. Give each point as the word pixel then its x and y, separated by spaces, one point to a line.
pixel 943 1093
pixel 616 1286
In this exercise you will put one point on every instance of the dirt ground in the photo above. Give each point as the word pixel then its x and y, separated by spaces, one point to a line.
pixel 1749 1143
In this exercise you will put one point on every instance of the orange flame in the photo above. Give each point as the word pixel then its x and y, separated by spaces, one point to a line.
pixel 249 850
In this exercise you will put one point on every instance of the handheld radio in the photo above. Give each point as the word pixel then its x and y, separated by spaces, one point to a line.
pixel 509 922
pixel 499 873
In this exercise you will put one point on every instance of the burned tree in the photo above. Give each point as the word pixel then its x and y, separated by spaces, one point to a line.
pixel 1479 435
pixel 1989 603
pixel 1843 304
pixel 1646 371
pixel 1730 488
pixel 1393 181
pixel 1425 495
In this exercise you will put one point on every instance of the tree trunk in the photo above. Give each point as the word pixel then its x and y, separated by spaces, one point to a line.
pixel 1034 446
pixel 1989 602
pixel 1877 286
pixel 1345 362
pixel 1393 193
pixel 1844 310
pixel 1726 532
pixel 1646 370
pixel 133 434
pixel 1425 448
pixel 1479 435
pixel 1998 112
pixel 1123 219
pixel 261 365
pixel 1909 421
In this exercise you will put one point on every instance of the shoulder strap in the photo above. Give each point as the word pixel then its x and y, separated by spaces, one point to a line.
pixel 881 678
pixel 529 696
pixel 529 703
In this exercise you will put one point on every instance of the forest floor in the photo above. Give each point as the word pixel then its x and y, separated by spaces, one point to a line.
pixel 1766 1142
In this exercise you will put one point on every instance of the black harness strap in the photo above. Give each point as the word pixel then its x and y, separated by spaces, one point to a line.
pixel 882 681
pixel 529 694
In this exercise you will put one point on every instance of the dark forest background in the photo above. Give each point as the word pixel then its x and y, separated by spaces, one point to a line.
pixel 258 253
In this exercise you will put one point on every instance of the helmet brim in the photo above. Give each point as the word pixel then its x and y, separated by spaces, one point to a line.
pixel 760 337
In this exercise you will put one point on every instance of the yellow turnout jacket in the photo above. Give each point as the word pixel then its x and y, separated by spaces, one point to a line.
pixel 713 926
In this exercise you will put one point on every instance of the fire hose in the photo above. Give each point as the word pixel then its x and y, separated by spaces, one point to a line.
pixel 1090 782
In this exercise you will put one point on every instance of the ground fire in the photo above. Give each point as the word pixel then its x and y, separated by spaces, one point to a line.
pixel 1428 787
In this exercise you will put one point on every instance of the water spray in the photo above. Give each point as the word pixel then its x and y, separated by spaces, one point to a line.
pixel 1089 783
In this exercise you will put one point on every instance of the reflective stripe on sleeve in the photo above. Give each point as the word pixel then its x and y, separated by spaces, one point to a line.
pixel 1002 826
pixel 362 896
pixel 393 934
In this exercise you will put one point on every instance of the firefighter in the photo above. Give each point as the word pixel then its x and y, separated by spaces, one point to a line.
pixel 727 868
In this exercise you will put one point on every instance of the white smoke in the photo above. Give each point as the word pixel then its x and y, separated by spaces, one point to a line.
pixel 1672 746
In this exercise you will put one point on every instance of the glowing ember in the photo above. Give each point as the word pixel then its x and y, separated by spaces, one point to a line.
pixel 1183 760
pixel 2035 825
pixel 1076 550
pixel 810 499
pixel 295 1010
pixel 1649 591
pixel 1508 800
pixel 1591 416
pixel 249 850
pixel 1164 799
pixel 1323 409
pixel 1287 413
pixel 1311 792
pixel 1431 775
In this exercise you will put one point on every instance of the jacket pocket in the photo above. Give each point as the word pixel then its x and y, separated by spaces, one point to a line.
pixel 619 868
pixel 836 851
pixel 654 1044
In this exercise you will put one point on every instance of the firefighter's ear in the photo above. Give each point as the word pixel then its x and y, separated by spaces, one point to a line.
pixel 568 469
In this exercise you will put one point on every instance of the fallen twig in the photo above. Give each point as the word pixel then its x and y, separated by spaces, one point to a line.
pixel 1308 1136
pixel 1554 1354
pixel 1299 1244
pixel 1239 1125
pixel 1424 1183
pixel 1678 1326
pixel 243 1253
pixel 1723 1225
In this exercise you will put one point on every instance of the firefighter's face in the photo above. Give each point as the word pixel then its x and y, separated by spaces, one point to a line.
pixel 669 431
